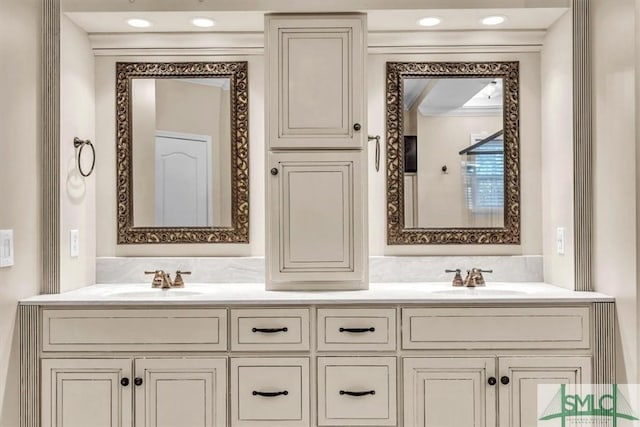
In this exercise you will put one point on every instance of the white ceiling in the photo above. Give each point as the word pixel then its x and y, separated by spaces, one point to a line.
pixel 378 20
pixel 455 96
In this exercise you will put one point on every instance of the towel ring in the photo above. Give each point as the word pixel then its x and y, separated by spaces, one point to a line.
pixel 377 159
pixel 80 143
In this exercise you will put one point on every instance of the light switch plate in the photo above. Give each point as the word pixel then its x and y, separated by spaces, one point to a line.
pixel 6 248
pixel 560 240
pixel 74 243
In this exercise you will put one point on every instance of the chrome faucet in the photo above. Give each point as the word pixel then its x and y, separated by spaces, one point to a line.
pixel 162 280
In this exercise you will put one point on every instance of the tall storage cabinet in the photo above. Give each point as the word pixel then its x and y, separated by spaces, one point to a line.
pixel 316 166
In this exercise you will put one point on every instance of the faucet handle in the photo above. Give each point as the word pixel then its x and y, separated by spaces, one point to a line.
pixel 477 274
pixel 158 278
pixel 178 282
pixel 457 279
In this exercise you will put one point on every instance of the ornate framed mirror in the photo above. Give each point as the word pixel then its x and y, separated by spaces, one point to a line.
pixel 182 152
pixel 453 162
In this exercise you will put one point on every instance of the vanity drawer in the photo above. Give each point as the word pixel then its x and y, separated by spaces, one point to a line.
pixel 496 327
pixel 134 330
pixel 371 329
pixel 270 392
pixel 269 329
pixel 357 391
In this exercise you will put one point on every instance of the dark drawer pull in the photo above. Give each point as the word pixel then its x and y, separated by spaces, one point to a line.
pixel 357 330
pixel 269 330
pixel 124 382
pixel 270 393
pixel 357 393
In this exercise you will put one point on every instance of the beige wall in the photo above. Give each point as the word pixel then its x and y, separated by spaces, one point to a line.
pixel 20 121
pixel 557 151
pixel 143 111
pixel 529 152
pixel 105 135
pixel 223 155
pixel 616 268
pixel 441 197
pixel 77 194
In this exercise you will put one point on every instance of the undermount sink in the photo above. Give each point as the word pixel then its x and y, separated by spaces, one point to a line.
pixel 153 293
pixel 479 292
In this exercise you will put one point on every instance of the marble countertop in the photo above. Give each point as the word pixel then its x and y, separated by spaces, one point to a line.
pixel 255 294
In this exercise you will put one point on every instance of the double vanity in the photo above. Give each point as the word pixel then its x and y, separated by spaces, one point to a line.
pixel 312 343
pixel 398 354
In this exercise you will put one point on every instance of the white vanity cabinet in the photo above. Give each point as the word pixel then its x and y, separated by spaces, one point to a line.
pixel 316 220
pixel 83 392
pixel 316 81
pixel 307 364
pixel 490 389
pixel 101 392
pixel 483 391
pixel 316 166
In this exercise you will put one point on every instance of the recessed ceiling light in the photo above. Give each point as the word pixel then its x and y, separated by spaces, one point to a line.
pixel 138 23
pixel 430 21
pixel 494 20
pixel 203 22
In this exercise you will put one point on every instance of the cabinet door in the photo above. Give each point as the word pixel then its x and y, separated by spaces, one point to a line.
pixel 316 81
pixel 316 221
pixel 86 392
pixel 181 392
pixel 518 398
pixel 449 392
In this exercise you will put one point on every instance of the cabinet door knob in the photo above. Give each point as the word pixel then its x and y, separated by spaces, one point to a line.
pixel 492 380
pixel 137 381
pixel 124 382
pixel 357 127
pixel 504 380
pixel 274 171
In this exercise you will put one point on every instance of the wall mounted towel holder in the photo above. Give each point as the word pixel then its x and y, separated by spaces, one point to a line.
pixel 80 144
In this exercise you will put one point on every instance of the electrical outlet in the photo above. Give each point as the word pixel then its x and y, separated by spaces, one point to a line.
pixel 560 241
pixel 6 248
pixel 74 243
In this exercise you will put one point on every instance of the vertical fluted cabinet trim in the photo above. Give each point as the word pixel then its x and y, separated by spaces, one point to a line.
pixel 29 325
pixel 582 148
pixel 50 146
pixel 604 343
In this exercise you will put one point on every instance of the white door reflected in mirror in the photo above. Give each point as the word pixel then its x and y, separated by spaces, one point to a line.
pixel 183 170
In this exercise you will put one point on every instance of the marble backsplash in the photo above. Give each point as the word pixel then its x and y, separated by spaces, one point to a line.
pixel 382 269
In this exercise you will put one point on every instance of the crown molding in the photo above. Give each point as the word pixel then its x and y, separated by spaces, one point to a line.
pixel 252 43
